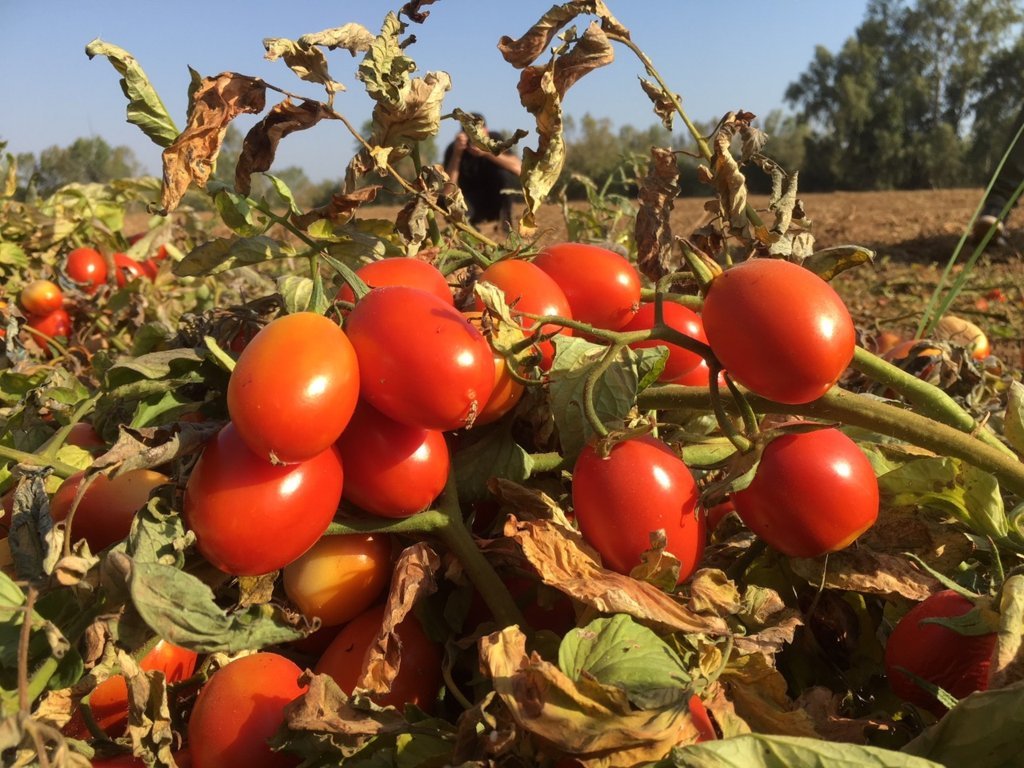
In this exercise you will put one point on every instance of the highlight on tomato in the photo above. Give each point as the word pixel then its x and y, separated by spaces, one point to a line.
pixel 41 297
pixel 87 267
pixel 683 319
pixel 127 269
pixel 401 270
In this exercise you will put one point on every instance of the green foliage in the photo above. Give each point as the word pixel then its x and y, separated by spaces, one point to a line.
pixel 86 160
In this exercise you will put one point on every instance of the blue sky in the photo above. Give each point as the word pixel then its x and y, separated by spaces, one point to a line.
pixel 719 57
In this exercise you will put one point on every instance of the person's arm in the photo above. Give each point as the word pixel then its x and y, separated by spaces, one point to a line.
pixel 508 161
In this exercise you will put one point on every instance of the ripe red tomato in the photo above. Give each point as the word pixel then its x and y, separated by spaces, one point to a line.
pixel 420 361
pixel 641 487
pixel 340 577
pixel 412 273
pixel 252 517
pixel 105 513
pixel 84 435
pixel 109 700
pixel 294 388
pixel 701 719
pixel 602 287
pixel 87 267
pixel 779 329
pixel 419 676
pixel 127 269
pixel 812 493
pixel 55 325
pixel 391 469
pixel 507 390
pixel 41 297
pixel 528 288
pixel 956 663
pixel 239 709
pixel 686 321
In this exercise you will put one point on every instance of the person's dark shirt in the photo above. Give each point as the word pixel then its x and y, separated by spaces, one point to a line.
pixel 481 182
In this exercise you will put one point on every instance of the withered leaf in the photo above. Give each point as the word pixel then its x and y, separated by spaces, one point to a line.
pixel 306 61
pixel 824 707
pixel 324 707
pixel 352 37
pixel 1008 660
pixel 520 53
pixel 859 569
pixel 193 155
pixel 711 591
pixel 385 68
pixel 149 715
pixel 652 231
pixel 416 116
pixel 729 182
pixel 474 129
pixel 411 10
pixel 152 446
pixel 562 561
pixel 339 209
pixel 260 144
pixel 758 692
pixel 662 101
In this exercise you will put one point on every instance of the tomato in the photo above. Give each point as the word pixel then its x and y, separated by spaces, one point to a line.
pixel 812 493
pixel 150 268
pixel 127 269
pixel 340 577
pixel 294 388
pixel 957 663
pixel 641 487
pixel 109 700
pixel 108 506
pixel 680 361
pixel 87 267
pixel 412 273
pixel 239 709
pixel 779 329
pixel 507 390
pixel 419 675
pixel 55 325
pixel 420 361
pixel 41 297
pixel 84 435
pixel 701 719
pixel 252 517
pixel 392 469
pixel 602 287
pixel 529 289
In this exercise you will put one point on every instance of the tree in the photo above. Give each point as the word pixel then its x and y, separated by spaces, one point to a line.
pixel 86 160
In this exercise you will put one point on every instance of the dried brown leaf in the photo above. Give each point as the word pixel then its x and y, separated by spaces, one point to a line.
pixel 859 569
pixel 260 144
pixel 711 591
pixel 522 52
pixel 326 709
pixel 729 182
pixel 153 446
pixel 411 10
pixel 653 233
pixel 1008 660
pixel 256 590
pixel 758 692
pixel 563 561
pixel 339 209
pixel 824 707
pixel 192 157
pixel 306 61
pixel 149 715
pixel 354 38
pixel 664 107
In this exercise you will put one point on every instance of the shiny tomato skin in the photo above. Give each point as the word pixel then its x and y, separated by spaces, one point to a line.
pixel 420 361
pixel 252 517
pixel 294 388
pixel 412 273
pixel 779 329
pixel 602 287
pixel 239 709
pixel 340 577
pixel 127 269
pixel 87 267
pixel 528 288
pixel 959 664
pixel 641 487
pixel 812 493
pixel 105 513
pixel 392 469
pixel 683 319
pixel 419 676
pixel 41 297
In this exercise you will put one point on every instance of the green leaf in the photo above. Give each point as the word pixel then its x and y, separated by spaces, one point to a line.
pixel 618 651
pixel 158 535
pixel 181 609
pixel 758 751
pixel 829 262
pixel 297 292
pixel 12 254
pixel 224 253
pixel 1013 421
pixel 145 109
pixel 284 192
pixel 237 213
pixel 489 453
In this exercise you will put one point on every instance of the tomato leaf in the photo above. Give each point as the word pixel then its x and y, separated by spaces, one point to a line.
pixel 158 535
pixel 306 61
pixel 829 262
pixel 1008 660
pixel 260 145
pixel 181 609
pixel 1013 421
pixel 652 229
pixel 236 212
pixel 486 454
pixel 224 253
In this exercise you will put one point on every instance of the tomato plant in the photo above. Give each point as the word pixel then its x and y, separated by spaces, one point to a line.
pixel 778 329
pixel 813 493
pixel 640 488
pixel 419 677
pixel 294 388
pixel 340 576
pixel 392 469
pixel 41 297
pixel 680 361
pixel 420 361
pixel 239 709
pixel 87 267
pixel 252 517
pixel 507 390
pixel 602 287
pixel 412 273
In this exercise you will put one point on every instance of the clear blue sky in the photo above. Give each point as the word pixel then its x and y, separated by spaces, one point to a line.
pixel 719 57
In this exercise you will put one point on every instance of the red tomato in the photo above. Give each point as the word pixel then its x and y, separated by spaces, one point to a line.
pixel 602 287
pixel 528 288
pixel 412 273
pixel 701 719
pixel 812 493
pixel 109 700
pixel 105 513
pixel 419 675
pixel 779 329
pixel 392 469
pixel 127 269
pixel 340 577
pixel 87 267
pixel 252 517
pixel 55 325
pixel 41 297
pixel 507 391
pixel 641 487
pixel 294 388
pixel 956 663
pixel 686 321
pixel 239 709
pixel 84 435
pixel 420 361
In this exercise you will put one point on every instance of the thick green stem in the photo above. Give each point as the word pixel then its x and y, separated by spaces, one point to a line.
pixel 60 469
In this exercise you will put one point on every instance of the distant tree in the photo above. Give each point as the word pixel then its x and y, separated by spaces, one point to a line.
pixel 997 107
pixel 86 160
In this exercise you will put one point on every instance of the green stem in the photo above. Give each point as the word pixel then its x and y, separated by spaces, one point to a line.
pixel 595 374
pixel 51 447
pixel 546 462
pixel 60 469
